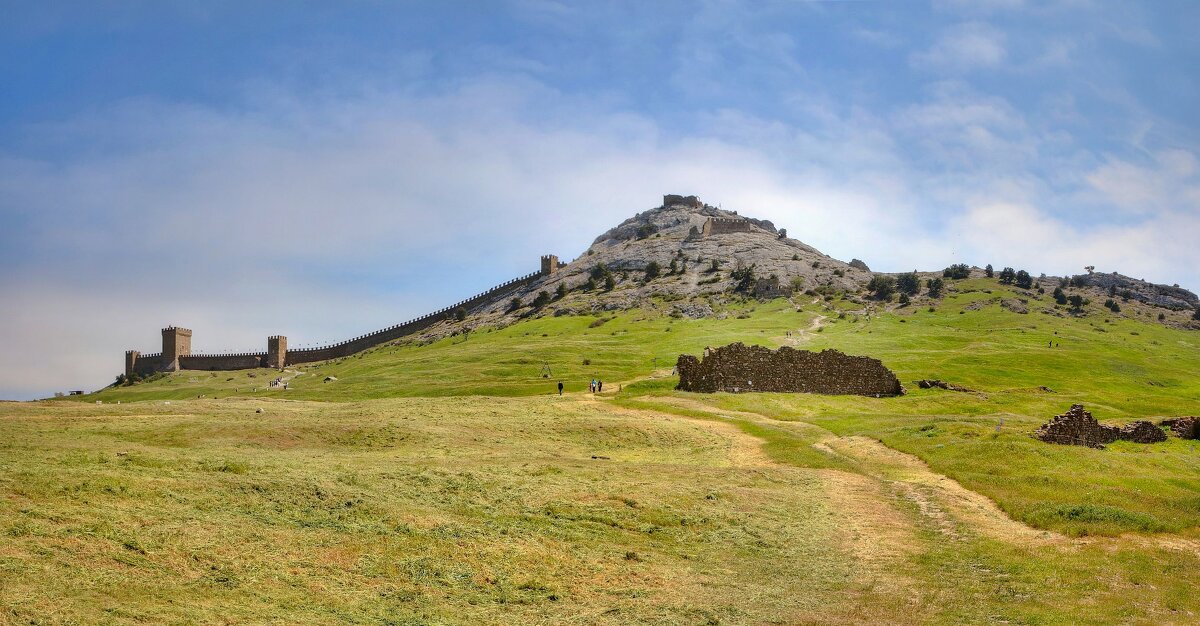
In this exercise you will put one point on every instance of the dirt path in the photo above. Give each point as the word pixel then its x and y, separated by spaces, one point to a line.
pixel 944 504
pixel 872 526
pixel 806 333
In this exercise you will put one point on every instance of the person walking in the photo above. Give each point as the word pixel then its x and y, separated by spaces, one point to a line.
pixel 599 386
pixel 560 387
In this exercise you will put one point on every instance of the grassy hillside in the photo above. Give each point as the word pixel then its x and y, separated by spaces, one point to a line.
pixel 482 497
pixel 522 510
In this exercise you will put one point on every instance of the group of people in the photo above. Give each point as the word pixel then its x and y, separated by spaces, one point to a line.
pixel 596 386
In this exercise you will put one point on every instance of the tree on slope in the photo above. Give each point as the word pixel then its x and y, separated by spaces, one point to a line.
pixel 882 287
pixel 1024 280
pixel 908 284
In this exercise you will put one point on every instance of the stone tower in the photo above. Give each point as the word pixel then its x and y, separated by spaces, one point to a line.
pixel 276 351
pixel 131 357
pixel 549 264
pixel 176 342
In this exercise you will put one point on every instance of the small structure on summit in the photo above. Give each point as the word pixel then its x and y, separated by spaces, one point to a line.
pixel 740 368
pixel 671 199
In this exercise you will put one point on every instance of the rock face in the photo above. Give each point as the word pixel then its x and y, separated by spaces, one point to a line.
pixel 1077 427
pixel 739 368
pixel 1170 297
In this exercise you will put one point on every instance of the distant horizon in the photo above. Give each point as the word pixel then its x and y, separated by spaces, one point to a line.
pixel 317 171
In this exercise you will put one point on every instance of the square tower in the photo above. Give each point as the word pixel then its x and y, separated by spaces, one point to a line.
pixel 131 357
pixel 177 342
pixel 276 351
pixel 549 264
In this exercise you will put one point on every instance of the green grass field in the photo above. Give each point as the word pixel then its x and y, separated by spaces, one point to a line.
pixel 444 483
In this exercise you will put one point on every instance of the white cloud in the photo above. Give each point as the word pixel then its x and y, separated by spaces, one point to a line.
pixel 962 47
pixel 321 219
pixel 1169 183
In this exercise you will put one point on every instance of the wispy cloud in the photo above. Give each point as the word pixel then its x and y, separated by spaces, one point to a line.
pixel 963 47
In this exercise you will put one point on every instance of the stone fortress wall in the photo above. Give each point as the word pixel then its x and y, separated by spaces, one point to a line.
pixel 739 368
pixel 725 225
pixel 177 342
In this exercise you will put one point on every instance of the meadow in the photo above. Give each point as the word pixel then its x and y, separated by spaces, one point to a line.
pixel 447 483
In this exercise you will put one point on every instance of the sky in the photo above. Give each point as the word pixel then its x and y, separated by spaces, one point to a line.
pixel 321 170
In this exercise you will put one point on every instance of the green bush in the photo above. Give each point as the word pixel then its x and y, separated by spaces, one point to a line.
pixel 958 270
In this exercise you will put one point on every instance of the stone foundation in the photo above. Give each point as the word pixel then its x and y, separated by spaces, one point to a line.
pixel 738 368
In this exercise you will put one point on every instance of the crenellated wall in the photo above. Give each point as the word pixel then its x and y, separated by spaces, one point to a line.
pixel 362 342
pixel 219 362
pixel 725 225
pixel 177 341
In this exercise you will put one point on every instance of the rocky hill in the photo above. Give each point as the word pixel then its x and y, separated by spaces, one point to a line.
pixel 750 256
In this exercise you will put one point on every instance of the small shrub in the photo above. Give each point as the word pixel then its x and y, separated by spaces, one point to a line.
pixel 652 270
pixel 988 271
pixel 542 299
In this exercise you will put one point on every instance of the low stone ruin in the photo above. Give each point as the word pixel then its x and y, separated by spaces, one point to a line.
pixel 1183 427
pixel 929 384
pixel 1077 427
pixel 738 368
pixel 1142 431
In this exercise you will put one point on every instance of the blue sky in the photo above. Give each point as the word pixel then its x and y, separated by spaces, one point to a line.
pixel 323 169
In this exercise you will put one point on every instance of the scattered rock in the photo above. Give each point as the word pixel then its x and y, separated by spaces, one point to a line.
pixel 259 410
pixel 929 384
pixel 1016 305
pixel 330 379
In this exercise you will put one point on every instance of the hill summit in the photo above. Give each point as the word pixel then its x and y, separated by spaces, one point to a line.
pixel 686 248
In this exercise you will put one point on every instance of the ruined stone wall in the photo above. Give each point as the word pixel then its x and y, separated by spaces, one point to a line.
pixel 739 368
pixel 1077 427
pixel 1184 427
pixel 678 200
pixel 725 225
